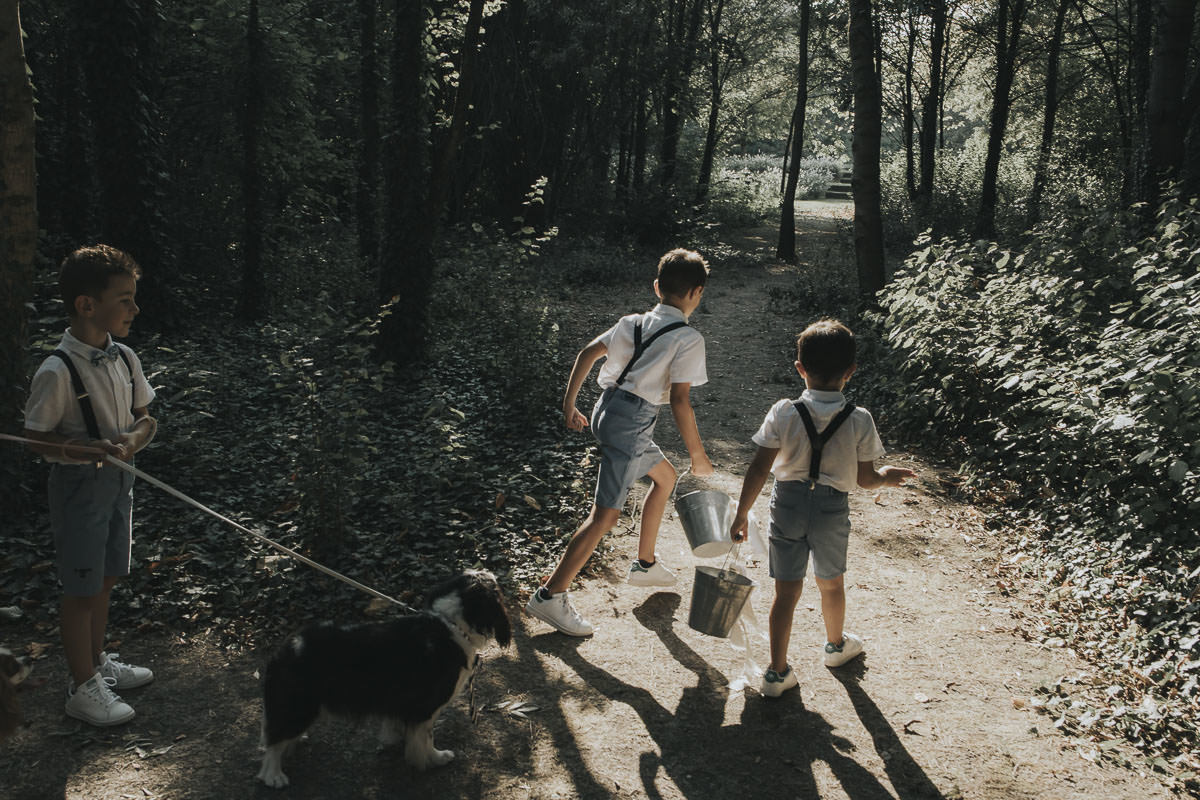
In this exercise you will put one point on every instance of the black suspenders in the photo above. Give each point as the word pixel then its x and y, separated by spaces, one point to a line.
pixel 818 441
pixel 81 393
pixel 639 346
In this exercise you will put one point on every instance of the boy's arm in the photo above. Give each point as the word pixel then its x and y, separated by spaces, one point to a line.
pixel 871 478
pixel 752 484
pixel 584 362
pixel 685 420
pixel 142 432
pixel 57 444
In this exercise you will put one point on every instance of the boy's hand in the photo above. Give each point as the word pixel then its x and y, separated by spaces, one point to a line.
pixel 738 530
pixel 894 476
pixel 575 420
pixel 701 465
pixel 121 449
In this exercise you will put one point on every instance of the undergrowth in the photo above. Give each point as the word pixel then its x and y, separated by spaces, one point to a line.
pixel 1067 373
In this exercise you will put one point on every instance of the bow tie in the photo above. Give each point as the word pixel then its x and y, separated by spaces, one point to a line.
pixel 100 356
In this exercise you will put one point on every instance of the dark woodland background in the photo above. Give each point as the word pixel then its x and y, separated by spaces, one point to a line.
pixel 359 223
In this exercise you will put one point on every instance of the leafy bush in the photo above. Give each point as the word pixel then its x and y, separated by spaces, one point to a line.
pixel 1071 370
pixel 745 189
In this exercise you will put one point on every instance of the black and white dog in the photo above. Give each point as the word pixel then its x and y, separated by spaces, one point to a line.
pixel 403 672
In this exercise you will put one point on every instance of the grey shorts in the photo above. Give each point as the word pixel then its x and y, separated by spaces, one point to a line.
pixel 623 423
pixel 91 515
pixel 804 520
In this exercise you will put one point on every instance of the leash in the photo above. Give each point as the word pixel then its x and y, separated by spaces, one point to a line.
pixel 181 496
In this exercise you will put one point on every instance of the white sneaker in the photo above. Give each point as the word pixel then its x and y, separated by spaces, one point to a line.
pixel 776 683
pixel 851 647
pixel 126 676
pixel 559 612
pixel 654 575
pixel 95 703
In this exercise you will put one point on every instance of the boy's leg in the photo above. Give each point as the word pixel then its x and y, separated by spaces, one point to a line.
pixel 663 477
pixel 599 522
pixel 76 624
pixel 787 595
pixel 833 606
pixel 99 620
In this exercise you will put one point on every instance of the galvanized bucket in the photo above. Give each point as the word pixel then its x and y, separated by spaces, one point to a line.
pixel 718 597
pixel 706 517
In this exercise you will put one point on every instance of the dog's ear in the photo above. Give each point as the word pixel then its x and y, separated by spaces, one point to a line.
pixel 483 607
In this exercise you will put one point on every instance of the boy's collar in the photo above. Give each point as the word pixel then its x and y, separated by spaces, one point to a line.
pixel 74 344
pixel 667 310
pixel 823 395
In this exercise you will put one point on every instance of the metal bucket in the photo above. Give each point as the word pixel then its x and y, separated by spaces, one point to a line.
pixel 718 597
pixel 706 517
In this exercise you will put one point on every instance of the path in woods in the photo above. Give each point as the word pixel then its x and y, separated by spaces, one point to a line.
pixel 938 708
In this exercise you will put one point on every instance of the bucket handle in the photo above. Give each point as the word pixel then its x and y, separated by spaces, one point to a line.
pixel 735 553
pixel 678 480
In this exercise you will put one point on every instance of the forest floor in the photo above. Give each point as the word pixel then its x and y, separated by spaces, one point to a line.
pixel 939 707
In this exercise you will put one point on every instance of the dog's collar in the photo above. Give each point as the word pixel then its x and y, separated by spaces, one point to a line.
pixel 462 632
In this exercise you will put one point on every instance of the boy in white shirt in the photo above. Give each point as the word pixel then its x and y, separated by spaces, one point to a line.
pixel 819 447
pixel 92 392
pixel 652 358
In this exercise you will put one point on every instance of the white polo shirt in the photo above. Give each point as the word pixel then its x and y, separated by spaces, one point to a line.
pixel 856 440
pixel 675 357
pixel 52 405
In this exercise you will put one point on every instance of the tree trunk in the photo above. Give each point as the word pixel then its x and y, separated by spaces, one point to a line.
pixel 367 196
pixel 252 301
pixel 1166 122
pixel 681 50
pixel 714 108
pixel 443 171
pixel 786 249
pixel 868 219
pixel 1010 19
pixel 910 179
pixel 931 105
pixel 18 241
pixel 1049 114
pixel 406 268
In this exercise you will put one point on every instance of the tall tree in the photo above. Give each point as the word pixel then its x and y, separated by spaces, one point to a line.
pixel 683 32
pixel 1010 20
pixel 18 236
pixel 443 168
pixel 406 266
pixel 715 86
pixel 931 104
pixel 786 249
pixel 367 195
pixel 1166 117
pixel 866 139
pixel 252 301
pixel 1049 112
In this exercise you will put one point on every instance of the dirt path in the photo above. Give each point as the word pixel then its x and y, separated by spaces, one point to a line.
pixel 938 707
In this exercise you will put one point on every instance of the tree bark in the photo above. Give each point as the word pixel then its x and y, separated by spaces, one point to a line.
pixel 681 50
pixel 1009 22
pixel 931 105
pixel 910 179
pixel 866 137
pixel 1166 120
pixel 252 301
pixel 786 248
pixel 18 240
pixel 443 172
pixel 367 196
pixel 715 85
pixel 1048 115
pixel 406 267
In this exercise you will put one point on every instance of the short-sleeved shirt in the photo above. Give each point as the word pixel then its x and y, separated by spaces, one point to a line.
pixel 675 357
pixel 52 405
pixel 856 440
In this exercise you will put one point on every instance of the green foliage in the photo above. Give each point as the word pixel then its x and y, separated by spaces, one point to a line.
pixel 1071 371
pixel 746 189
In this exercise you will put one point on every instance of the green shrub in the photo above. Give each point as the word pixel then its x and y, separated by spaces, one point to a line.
pixel 1071 370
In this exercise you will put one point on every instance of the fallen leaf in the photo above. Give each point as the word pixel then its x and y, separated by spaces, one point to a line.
pixel 534 504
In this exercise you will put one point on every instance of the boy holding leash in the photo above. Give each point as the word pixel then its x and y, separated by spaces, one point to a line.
pixel 819 448
pixel 650 359
pixel 91 392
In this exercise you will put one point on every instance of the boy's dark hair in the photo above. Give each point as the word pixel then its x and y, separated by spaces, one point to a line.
pixel 87 270
pixel 680 271
pixel 826 350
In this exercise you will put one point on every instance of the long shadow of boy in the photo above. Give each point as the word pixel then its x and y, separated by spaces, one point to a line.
pixel 768 754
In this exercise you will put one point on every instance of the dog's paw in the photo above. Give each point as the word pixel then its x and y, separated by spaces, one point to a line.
pixel 272 777
pixel 440 758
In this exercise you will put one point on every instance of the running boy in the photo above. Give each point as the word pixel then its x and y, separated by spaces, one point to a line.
pixel 810 510
pixel 652 358
pixel 91 392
